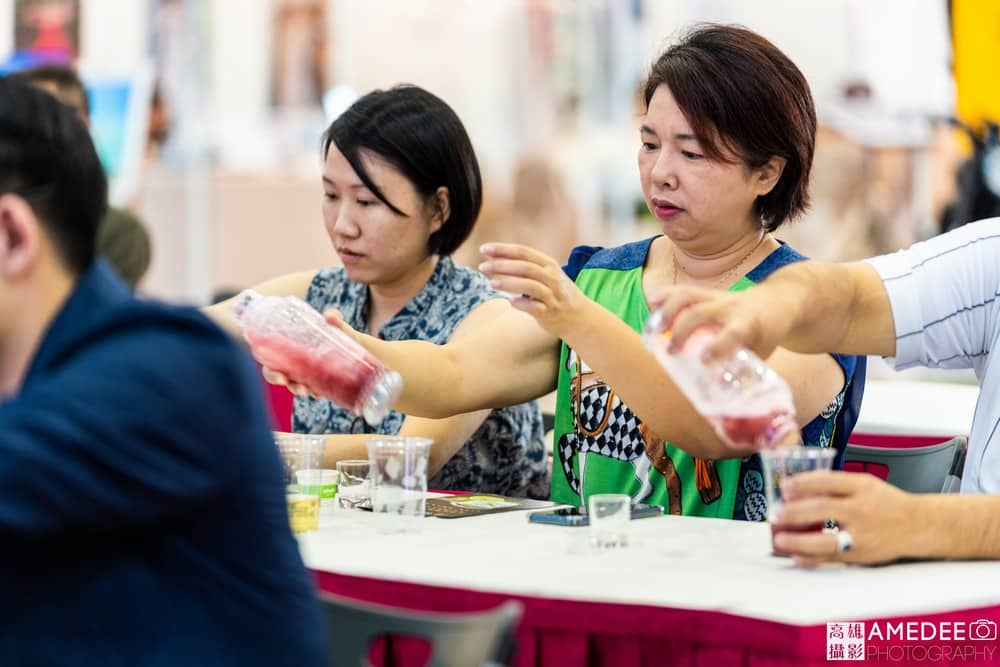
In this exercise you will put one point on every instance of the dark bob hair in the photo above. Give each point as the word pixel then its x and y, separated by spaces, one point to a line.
pixel 421 136
pixel 743 97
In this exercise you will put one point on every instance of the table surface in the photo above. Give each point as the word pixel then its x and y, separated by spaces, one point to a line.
pixel 906 407
pixel 672 562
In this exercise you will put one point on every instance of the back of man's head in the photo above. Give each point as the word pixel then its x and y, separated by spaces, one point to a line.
pixel 63 82
pixel 48 158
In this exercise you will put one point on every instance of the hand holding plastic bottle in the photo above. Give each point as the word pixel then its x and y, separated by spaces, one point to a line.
pixel 273 376
pixel 754 319
pixel 289 337
pixel 748 404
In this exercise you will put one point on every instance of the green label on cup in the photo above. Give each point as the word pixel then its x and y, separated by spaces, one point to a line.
pixel 328 491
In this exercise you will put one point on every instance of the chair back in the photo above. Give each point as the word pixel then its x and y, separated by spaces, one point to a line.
pixel 457 639
pixel 914 469
pixel 953 481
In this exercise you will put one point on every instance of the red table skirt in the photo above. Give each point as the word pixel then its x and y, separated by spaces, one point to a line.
pixel 896 440
pixel 596 634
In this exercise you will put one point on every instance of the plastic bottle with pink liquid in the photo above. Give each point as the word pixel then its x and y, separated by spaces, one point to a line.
pixel 749 405
pixel 289 336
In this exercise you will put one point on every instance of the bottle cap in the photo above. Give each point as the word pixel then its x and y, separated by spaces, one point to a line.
pixel 381 397
pixel 241 302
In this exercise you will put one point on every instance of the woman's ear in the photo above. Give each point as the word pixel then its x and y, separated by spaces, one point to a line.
pixel 441 203
pixel 19 236
pixel 767 175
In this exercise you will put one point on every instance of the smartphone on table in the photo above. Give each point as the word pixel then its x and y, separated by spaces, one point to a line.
pixel 575 516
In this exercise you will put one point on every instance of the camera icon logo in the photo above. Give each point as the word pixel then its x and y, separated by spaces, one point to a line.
pixel 982 630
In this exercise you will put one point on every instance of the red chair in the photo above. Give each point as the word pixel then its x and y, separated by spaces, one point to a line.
pixel 279 402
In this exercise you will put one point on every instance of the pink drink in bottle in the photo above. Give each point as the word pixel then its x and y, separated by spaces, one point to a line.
pixel 287 335
pixel 749 405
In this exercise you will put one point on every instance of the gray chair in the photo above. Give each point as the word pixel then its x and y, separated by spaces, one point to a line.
pixel 914 469
pixel 457 639
pixel 953 481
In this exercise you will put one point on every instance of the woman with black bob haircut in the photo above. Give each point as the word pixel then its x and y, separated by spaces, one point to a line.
pixel 402 190
pixel 420 135
pixel 724 152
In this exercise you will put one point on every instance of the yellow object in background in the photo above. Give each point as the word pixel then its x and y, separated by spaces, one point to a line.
pixel 976 45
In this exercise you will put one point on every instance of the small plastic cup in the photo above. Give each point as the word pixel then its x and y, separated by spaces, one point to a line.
pixel 609 514
pixel 326 480
pixel 300 454
pixel 781 463
pixel 353 484
pixel 399 481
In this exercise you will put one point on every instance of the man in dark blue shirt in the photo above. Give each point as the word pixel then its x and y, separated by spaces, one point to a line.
pixel 142 510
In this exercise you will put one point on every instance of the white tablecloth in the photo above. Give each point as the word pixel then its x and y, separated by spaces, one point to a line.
pixel 917 408
pixel 678 562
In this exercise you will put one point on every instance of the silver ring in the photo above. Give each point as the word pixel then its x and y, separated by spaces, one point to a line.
pixel 844 541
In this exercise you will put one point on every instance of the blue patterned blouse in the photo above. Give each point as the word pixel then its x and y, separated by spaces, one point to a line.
pixel 506 454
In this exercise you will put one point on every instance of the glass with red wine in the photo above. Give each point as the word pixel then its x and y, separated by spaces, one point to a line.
pixel 784 462
pixel 748 404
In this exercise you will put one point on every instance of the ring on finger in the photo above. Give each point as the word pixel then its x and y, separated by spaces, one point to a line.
pixel 844 541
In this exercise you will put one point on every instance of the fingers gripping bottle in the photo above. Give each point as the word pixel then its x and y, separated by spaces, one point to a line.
pixel 748 404
pixel 289 336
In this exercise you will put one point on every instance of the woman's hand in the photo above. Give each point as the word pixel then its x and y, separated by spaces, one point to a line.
pixel 279 378
pixel 547 293
pixel 880 519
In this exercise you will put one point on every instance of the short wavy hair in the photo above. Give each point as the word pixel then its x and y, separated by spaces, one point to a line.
pixel 743 97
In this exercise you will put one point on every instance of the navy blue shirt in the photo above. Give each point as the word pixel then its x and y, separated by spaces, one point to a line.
pixel 142 508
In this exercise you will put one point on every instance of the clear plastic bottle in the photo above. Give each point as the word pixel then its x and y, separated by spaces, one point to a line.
pixel 749 405
pixel 287 335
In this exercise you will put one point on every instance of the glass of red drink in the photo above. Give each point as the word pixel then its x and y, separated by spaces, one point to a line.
pixel 783 462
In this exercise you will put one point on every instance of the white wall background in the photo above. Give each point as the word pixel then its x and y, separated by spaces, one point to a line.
pixel 471 53
pixel 900 47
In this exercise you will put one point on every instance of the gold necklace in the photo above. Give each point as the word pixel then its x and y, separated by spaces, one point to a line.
pixel 725 276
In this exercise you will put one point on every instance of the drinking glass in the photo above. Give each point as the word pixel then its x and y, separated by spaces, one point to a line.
pixel 609 514
pixel 786 461
pixel 353 487
pixel 301 455
pixel 399 480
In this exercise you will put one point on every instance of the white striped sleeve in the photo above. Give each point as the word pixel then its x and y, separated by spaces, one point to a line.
pixel 943 295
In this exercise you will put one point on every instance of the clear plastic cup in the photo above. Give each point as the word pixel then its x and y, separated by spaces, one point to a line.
pixel 354 484
pixel 326 480
pixel 609 515
pixel 784 462
pixel 300 454
pixel 287 335
pixel 748 404
pixel 399 480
